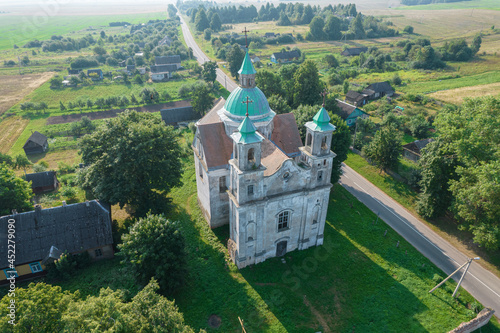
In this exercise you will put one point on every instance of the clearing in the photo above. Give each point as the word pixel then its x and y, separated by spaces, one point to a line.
pixel 10 130
pixel 456 96
pixel 13 88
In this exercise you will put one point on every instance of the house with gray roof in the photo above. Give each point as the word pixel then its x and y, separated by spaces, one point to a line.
pixel 36 144
pixel 378 89
pixel 354 51
pixel 45 181
pixel 413 150
pixel 355 98
pixel 42 235
pixel 284 57
pixel 175 116
pixel 350 112
pixel 169 60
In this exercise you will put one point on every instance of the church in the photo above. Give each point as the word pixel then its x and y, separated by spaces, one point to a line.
pixel 253 172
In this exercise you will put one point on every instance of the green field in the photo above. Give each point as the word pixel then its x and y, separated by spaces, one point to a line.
pixel 19 30
pixel 476 4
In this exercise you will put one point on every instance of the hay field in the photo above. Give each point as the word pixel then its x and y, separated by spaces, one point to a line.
pixel 10 129
pixel 13 88
pixel 457 96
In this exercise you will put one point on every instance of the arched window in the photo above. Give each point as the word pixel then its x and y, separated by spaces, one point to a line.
pixel 324 146
pixel 222 184
pixel 283 220
pixel 251 156
pixel 320 175
pixel 250 231
pixel 309 139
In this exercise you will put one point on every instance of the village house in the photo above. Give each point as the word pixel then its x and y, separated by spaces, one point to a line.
pixel 36 144
pixel 355 98
pixel 95 74
pixel 165 41
pixel 130 69
pixel 41 182
pixel 43 235
pixel 284 57
pixel 253 172
pixel 169 60
pixel 174 116
pixel 413 150
pixel 354 51
pixel 378 89
pixel 162 72
pixel 350 112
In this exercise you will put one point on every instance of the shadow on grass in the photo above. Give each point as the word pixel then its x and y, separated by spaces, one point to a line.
pixel 214 286
pixel 403 261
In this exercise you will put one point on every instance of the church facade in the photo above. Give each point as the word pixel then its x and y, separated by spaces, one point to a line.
pixel 253 172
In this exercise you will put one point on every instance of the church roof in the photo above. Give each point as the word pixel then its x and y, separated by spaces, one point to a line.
pixel 258 107
pixel 272 157
pixel 247 66
pixel 217 146
pixel 211 116
pixel 286 134
pixel 321 121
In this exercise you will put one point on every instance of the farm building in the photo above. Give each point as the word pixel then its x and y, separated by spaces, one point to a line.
pixel 350 112
pixel 169 60
pixel 354 51
pixel 130 69
pixel 284 57
pixel 43 181
pixel 43 234
pixel 355 98
pixel 175 116
pixel 74 71
pixel 413 150
pixel 95 74
pixel 378 89
pixel 36 144
pixel 253 172
pixel 162 72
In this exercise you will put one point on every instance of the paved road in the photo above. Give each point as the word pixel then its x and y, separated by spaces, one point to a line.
pixel 223 79
pixel 479 282
pixel 482 284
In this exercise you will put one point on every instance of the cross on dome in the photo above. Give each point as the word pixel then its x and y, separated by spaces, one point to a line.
pixel 245 31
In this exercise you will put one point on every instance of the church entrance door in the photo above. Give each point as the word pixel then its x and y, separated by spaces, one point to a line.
pixel 281 249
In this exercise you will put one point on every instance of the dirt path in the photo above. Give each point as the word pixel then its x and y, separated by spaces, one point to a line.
pixel 114 112
pixel 318 315
pixel 14 87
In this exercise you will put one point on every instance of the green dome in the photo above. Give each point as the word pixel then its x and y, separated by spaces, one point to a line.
pixel 235 106
pixel 321 122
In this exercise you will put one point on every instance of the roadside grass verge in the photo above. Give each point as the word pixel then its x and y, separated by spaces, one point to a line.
pixel 445 226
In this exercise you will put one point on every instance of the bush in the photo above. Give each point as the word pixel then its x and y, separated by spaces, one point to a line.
pixel 67 265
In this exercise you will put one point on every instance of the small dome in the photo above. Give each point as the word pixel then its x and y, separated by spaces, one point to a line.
pixel 258 107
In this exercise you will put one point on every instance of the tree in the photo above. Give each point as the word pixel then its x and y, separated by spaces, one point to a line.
pixel 201 21
pixel 201 100
pixel 269 83
pixel 278 104
pixel 357 27
pixel 332 28
pixel 172 11
pixel 341 140
pixel 133 146
pixel 471 134
pixel 283 20
pixel 316 28
pixel 154 248
pixel 55 83
pixel 235 59
pixel 418 126
pixel 385 149
pixel 307 86
pixel 303 114
pixel 438 166
pixel 138 79
pixel 103 34
pixel 331 61
pixel 90 104
pixel 99 50
pixel 408 29
pixel 4 158
pixel 61 106
pixel 39 308
pixel 22 162
pixel 476 44
pixel 74 80
pixel 209 71
pixel 15 192
pixel 207 34
pixel 215 23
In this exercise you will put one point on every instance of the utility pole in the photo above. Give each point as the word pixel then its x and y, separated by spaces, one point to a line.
pixel 468 262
